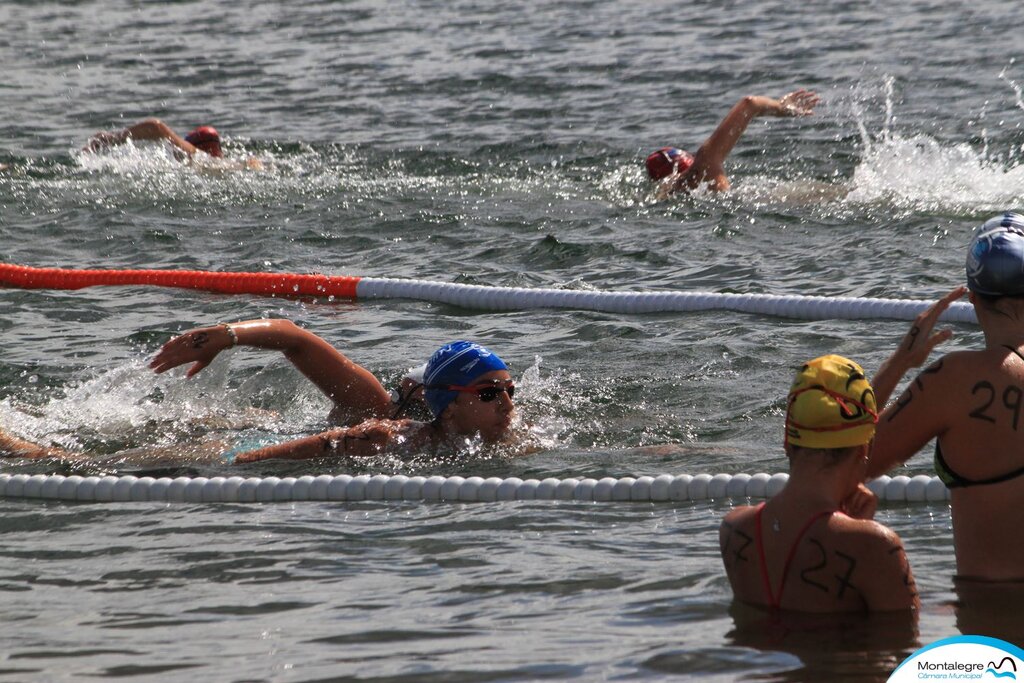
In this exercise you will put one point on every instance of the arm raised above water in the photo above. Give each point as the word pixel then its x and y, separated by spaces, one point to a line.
pixel 352 388
pixel 709 161
pixel 147 129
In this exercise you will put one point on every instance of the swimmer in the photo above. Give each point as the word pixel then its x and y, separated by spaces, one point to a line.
pixel 466 387
pixel 676 170
pixel 203 141
pixel 971 403
pixel 814 547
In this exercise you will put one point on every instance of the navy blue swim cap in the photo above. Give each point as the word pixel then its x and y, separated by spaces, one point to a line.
pixel 457 364
pixel 995 259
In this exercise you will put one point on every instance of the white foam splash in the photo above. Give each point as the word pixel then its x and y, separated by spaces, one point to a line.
pixel 129 406
pixel 922 173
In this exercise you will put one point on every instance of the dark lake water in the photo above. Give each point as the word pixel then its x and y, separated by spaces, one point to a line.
pixel 485 144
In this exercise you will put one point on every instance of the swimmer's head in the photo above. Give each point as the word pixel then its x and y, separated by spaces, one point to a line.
pixel 456 364
pixel 667 160
pixel 995 258
pixel 830 405
pixel 207 139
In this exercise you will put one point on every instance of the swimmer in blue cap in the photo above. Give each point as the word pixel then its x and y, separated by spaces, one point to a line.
pixel 972 403
pixel 676 170
pixel 467 388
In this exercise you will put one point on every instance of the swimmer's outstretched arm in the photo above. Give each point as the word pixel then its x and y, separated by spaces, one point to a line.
pixel 709 161
pixel 14 447
pixel 148 129
pixel 368 439
pixel 353 389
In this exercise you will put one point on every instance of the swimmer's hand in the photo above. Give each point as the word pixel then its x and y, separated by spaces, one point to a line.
pixel 105 139
pixel 916 346
pixel 861 504
pixel 797 103
pixel 199 347
pixel 919 341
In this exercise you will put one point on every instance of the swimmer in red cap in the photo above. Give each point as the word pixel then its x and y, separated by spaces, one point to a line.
pixel 203 140
pixel 677 170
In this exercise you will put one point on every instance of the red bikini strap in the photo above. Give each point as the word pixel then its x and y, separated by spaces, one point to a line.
pixel 792 550
pixel 760 553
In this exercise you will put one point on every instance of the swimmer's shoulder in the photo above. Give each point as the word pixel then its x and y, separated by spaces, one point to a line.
pixel 739 520
pixel 863 536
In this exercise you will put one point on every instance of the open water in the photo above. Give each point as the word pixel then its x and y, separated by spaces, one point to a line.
pixel 488 143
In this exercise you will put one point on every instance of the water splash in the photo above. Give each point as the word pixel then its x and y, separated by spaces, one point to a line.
pixel 918 171
pixel 129 407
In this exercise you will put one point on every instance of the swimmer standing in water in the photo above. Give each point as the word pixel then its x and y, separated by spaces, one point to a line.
pixel 971 403
pixel 201 141
pixel 814 546
pixel 467 388
pixel 676 170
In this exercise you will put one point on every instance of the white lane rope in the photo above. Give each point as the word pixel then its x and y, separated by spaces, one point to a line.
pixel 381 487
pixel 519 298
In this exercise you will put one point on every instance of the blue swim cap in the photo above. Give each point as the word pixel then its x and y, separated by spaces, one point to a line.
pixel 457 363
pixel 995 259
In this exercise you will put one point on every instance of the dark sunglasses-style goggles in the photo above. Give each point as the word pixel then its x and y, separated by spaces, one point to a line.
pixel 485 392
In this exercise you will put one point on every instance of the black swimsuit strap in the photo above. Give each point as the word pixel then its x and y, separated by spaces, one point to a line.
pixel 953 480
pixel 404 402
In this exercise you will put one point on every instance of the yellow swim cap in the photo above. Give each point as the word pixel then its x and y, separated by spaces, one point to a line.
pixel 831 405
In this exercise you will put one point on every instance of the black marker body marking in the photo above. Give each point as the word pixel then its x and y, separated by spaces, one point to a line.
pixel 844 580
pixel 823 561
pixel 747 540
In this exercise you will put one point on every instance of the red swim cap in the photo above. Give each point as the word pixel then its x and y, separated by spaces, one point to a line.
pixel 207 139
pixel 662 163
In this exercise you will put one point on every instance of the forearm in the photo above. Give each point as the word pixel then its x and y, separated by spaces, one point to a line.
pixel 353 388
pixel 888 377
pixel 720 143
pixel 16 447
pixel 306 448
pixel 273 333
pixel 360 441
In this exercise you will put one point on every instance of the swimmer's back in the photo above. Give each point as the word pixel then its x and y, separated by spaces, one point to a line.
pixel 837 563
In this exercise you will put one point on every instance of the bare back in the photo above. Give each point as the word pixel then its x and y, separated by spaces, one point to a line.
pixel 973 403
pixel 830 563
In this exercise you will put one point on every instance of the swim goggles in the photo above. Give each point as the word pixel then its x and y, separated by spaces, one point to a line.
pixel 485 392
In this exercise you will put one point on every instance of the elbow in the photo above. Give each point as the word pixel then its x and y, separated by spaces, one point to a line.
pixel 294 340
pixel 151 129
